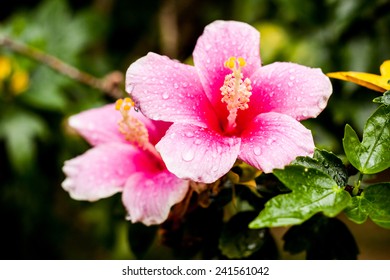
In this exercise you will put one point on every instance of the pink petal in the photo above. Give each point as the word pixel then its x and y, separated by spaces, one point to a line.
pixel 98 125
pixel 298 91
pixel 103 170
pixel 221 40
pixel 273 140
pixel 168 90
pixel 148 197
pixel 196 153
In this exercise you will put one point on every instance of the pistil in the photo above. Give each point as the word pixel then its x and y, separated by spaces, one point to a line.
pixel 132 128
pixel 236 91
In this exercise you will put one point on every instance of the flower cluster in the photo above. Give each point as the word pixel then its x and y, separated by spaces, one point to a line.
pixel 194 122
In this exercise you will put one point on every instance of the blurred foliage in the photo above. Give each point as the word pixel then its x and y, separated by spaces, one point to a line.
pixel 40 221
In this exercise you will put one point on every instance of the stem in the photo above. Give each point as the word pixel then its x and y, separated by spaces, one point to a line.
pixel 357 185
pixel 108 84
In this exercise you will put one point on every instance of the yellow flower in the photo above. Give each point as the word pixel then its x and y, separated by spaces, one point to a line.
pixel 19 81
pixel 375 82
pixel 5 67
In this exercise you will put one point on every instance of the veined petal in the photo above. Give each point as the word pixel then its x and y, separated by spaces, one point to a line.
pixel 99 125
pixel 219 41
pixel 273 140
pixel 103 170
pixel 292 89
pixel 199 154
pixel 371 81
pixel 168 90
pixel 148 197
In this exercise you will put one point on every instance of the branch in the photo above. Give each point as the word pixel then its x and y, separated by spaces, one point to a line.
pixel 109 84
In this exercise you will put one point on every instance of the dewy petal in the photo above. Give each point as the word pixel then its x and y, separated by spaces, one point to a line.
pixel 103 170
pixel 288 88
pixel 273 140
pixel 98 125
pixel 168 90
pixel 196 153
pixel 149 197
pixel 219 41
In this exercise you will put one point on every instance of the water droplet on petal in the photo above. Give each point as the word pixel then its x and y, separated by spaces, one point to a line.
pixel 257 151
pixel 189 134
pixel 188 155
pixel 322 102
pixel 165 95
pixel 290 84
pixel 270 141
pixel 175 85
pixel 292 78
pixel 197 141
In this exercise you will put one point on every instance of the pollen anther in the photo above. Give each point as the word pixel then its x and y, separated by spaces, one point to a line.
pixel 132 128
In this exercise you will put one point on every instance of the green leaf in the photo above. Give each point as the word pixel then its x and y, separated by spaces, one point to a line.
pixel 373 203
pixel 20 129
pixel 384 99
pixel 328 163
pixel 312 191
pixel 237 241
pixel 322 238
pixel 372 155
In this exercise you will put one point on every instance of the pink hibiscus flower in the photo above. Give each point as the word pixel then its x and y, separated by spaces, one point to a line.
pixel 123 160
pixel 227 106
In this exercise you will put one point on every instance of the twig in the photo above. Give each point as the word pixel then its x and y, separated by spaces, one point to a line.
pixel 109 84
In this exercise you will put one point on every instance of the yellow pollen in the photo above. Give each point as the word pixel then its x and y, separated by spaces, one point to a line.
pixel 236 91
pixel 131 127
pixel 230 63
pixel 118 104
pixel 241 61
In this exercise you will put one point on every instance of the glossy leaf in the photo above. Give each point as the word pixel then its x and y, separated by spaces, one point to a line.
pixel 322 238
pixel 312 191
pixel 373 203
pixel 328 163
pixel 372 154
pixel 384 99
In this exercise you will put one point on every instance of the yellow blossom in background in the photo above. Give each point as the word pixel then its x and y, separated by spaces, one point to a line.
pixel 372 81
pixel 5 67
pixel 12 78
pixel 19 82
